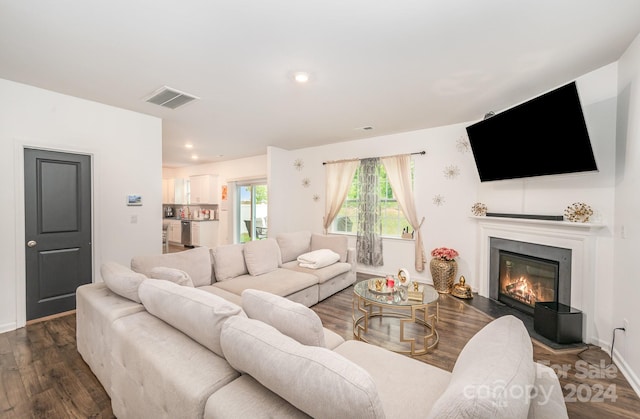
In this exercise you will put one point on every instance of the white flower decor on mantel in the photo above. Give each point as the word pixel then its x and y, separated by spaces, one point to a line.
pixel 298 164
pixel 578 212
pixel 306 182
pixel 451 172
pixel 438 200
pixel 463 145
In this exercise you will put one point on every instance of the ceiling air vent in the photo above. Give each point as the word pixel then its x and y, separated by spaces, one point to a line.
pixel 170 97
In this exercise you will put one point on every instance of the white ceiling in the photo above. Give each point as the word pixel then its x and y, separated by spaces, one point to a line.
pixel 396 65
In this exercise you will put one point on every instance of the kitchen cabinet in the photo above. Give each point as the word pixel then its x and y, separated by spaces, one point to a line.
pixel 174 231
pixel 173 191
pixel 204 233
pixel 204 189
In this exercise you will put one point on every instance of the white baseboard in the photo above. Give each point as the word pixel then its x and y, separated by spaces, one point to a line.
pixel 7 327
pixel 628 373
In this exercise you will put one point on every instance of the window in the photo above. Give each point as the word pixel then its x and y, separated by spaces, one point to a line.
pixel 392 219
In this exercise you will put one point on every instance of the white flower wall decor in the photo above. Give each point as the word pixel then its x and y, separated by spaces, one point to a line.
pixel 316 197
pixel 298 164
pixel 463 145
pixel 306 182
pixel 438 200
pixel 451 172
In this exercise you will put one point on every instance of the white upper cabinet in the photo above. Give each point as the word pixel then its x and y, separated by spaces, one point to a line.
pixel 173 191
pixel 204 190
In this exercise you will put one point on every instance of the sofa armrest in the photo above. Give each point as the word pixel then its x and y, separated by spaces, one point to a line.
pixel 547 400
pixel 351 258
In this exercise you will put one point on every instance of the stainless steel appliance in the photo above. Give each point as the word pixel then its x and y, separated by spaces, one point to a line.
pixel 186 233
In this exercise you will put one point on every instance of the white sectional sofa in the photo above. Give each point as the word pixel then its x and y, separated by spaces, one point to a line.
pixel 186 353
pixel 269 265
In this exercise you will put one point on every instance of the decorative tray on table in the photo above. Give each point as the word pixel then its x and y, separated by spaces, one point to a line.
pixel 379 286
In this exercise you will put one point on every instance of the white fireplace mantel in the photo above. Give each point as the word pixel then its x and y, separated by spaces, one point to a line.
pixel 580 238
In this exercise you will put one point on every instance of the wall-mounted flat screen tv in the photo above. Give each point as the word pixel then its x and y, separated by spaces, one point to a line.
pixel 546 135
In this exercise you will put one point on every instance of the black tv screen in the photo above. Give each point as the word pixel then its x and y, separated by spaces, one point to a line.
pixel 543 136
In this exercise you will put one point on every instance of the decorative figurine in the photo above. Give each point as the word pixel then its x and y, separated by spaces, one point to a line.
pixel 461 289
pixel 403 277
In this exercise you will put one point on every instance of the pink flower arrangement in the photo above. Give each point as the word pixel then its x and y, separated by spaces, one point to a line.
pixel 444 253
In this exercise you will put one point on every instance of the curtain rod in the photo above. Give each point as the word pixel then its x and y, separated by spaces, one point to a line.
pixel 337 161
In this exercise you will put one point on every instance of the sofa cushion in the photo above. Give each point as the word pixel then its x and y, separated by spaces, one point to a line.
pixel 493 374
pixel 316 380
pixel 122 280
pixel 323 274
pixel 294 244
pixel 293 319
pixel 176 276
pixel 196 262
pixel 282 282
pixel 228 261
pixel 197 314
pixel 407 388
pixel 338 244
pixel 261 256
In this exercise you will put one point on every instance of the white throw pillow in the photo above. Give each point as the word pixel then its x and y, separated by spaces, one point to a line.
pixel 293 319
pixel 174 275
pixel 228 261
pixel 261 256
pixel 122 280
pixel 318 381
pixel 196 313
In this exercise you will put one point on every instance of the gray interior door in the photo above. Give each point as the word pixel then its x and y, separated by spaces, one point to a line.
pixel 57 229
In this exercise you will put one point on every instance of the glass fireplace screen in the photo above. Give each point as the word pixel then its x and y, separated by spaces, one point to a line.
pixel 526 279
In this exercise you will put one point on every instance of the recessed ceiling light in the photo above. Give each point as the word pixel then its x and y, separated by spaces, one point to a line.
pixel 301 77
pixel 188 145
pixel 194 157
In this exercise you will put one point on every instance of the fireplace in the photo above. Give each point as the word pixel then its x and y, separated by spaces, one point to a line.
pixel 525 280
pixel 523 273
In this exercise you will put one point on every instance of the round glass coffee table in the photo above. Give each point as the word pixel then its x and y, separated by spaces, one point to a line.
pixel 403 303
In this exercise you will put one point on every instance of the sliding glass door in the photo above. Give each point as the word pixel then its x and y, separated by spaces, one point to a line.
pixel 252 211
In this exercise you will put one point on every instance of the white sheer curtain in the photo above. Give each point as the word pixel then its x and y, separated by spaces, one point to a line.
pixel 338 180
pixel 399 175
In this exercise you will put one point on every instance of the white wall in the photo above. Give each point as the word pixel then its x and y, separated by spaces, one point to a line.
pixel 116 139
pixel 447 224
pixel 624 279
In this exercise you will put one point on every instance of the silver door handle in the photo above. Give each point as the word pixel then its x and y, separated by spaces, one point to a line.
pixel 32 243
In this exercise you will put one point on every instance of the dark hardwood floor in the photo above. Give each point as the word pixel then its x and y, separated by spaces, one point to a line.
pixel 43 376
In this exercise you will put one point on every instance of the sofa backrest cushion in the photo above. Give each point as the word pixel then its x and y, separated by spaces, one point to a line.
pixel 292 319
pixel 493 375
pixel 338 244
pixel 196 262
pixel 318 381
pixel 176 276
pixel 228 261
pixel 196 313
pixel 122 280
pixel 261 256
pixel 293 244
